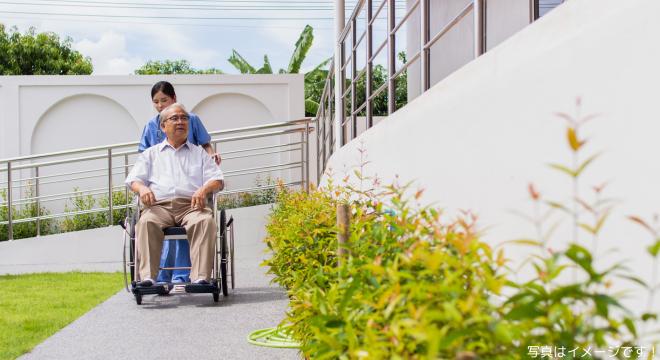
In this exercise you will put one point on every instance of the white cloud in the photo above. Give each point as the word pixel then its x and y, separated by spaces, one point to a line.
pixel 199 51
pixel 109 54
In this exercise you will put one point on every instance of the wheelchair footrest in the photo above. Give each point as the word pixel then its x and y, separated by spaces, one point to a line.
pixel 201 288
pixel 151 290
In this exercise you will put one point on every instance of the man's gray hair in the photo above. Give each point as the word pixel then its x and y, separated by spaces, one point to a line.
pixel 171 107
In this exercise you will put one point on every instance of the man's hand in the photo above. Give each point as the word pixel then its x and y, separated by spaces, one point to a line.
pixel 198 200
pixel 147 196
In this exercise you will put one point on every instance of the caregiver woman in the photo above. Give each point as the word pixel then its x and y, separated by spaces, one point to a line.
pixel 176 253
pixel 162 96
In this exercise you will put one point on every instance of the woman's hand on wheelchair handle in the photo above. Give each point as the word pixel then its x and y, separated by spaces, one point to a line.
pixel 216 157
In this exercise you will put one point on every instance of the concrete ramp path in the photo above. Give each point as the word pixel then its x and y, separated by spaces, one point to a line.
pixel 187 326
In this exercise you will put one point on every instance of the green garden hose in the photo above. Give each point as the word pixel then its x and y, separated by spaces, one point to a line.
pixel 275 337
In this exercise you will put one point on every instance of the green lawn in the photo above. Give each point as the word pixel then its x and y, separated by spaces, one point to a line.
pixel 35 306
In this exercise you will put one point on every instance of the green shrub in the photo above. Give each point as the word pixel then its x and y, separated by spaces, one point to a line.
pixel 413 285
pixel 118 199
pixel 92 220
pixel 266 195
pixel 27 210
pixel 301 236
pixel 417 286
pixel 77 222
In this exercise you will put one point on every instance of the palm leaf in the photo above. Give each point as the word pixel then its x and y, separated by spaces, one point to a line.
pixel 302 47
pixel 317 76
pixel 240 63
pixel 319 69
pixel 266 69
pixel 311 107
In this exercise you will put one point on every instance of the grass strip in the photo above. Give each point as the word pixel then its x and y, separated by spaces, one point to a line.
pixel 35 306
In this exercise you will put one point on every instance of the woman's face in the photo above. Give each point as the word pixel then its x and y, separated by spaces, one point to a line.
pixel 161 101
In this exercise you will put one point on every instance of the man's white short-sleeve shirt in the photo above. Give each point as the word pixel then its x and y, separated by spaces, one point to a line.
pixel 171 172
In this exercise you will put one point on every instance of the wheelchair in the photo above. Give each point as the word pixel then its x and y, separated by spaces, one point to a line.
pixel 223 263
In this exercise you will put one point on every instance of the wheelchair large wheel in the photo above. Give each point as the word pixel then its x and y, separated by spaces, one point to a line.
pixel 231 252
pixel 223 252
pixel 128 255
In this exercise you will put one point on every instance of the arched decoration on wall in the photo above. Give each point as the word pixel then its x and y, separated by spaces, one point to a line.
pixel 232 110
pixel 214 111
pixel 83 120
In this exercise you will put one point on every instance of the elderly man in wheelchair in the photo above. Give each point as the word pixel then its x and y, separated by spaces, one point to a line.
pixel 174 179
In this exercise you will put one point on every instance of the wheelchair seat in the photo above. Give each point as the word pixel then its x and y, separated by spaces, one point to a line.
pixel 175 233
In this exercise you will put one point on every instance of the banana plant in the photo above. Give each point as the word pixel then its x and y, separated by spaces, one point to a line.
pixel 314 79
pixel 303 44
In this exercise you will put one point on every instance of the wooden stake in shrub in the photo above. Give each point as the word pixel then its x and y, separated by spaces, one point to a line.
pixel 343 225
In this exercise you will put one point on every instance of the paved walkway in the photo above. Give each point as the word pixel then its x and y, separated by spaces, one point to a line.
pixel 189 326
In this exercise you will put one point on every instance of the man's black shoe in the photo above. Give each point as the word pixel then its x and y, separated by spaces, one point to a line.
pixel 201 282
pixel 146 283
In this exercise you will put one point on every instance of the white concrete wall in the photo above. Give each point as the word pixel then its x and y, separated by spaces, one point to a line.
pixel 88 250
pixel 110 109
pixel 101 249
pixel 479 137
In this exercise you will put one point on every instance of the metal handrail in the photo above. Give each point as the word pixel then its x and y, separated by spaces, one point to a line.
pixel 348 41
pixel 300 121
pixel 323 152
pixel 112 153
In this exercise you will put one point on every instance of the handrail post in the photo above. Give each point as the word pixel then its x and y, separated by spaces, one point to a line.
pixel 479 17
pixel 369 74
pixel 391 57
pixel 318 143
pixel 353 79
pixel 10 227
pixel 36 194
pixel 425 61
pixel 110 219
pixel 302 160
pixel 333 124
pixel 307 156
pixel 126 187
pixel 340 23
pixel 533 10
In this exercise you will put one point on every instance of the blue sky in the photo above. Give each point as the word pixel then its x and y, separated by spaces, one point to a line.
pixel 121 35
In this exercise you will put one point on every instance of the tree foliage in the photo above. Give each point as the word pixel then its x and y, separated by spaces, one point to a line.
pixel 35 53
pixel 379 77
pixel 166 67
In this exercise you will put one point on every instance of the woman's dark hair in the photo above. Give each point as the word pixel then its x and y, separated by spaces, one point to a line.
pixel 165 87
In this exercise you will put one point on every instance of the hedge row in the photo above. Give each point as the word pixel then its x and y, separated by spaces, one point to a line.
pixel 418 285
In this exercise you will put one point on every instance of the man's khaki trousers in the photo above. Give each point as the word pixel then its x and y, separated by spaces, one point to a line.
pixel 200 228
